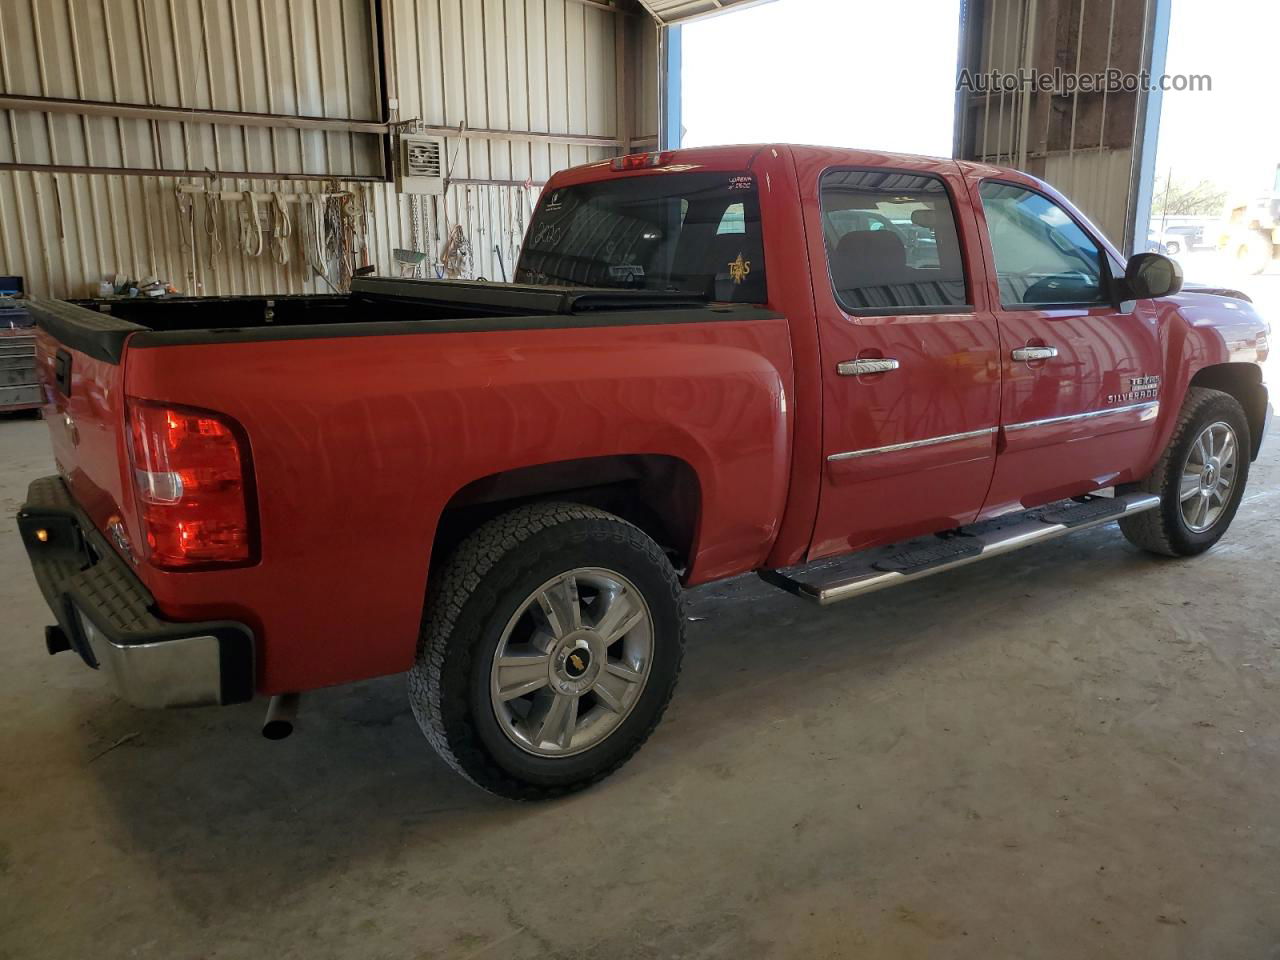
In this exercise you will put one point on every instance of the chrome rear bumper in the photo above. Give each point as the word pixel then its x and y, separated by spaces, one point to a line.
pixel 105 612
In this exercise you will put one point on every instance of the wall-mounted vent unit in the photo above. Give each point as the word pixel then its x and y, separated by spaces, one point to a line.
pixel 421 168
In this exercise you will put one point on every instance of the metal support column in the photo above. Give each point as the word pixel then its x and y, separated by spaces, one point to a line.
pixel 1147 132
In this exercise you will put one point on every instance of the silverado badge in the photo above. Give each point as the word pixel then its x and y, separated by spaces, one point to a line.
pixel 1140 388
pixel 738 269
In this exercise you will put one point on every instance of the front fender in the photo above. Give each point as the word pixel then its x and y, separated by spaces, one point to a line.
pixel 1207 332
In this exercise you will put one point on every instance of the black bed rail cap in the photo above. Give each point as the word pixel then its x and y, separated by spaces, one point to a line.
pixel 521 297
pixel 95 334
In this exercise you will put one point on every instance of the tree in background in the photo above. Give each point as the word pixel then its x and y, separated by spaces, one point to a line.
pixel 1174 198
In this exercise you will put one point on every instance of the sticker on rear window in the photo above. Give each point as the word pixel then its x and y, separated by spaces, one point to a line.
pixel 627 271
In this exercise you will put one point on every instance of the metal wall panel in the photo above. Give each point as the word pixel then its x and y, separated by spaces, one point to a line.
pixel 546 66
pixel 541 69
pixel 1087 144
pixel 1097 182
pixel 312 59
pixel 644 91
pixel 64 232
pixel 671 12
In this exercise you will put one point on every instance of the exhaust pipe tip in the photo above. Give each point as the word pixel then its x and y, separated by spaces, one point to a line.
pixel 56 640
pixel 282 711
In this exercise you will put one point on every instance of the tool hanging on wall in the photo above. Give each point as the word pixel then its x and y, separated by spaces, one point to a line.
pixel 313 236
pixel 355 215
pixel 335 242
pixel 250 225
pixel 187 235
pixel 281 229
pixel 213 224
pixel 186 221
pixel 456 256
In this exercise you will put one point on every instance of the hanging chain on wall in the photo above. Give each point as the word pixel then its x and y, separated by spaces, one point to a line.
pixel 415 238
pixel 213 223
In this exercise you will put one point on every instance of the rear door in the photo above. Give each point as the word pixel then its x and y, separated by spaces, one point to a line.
pixel 1081 379
pixel 909 353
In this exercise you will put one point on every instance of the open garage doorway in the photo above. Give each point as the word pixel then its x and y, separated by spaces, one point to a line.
pixel 1216 200
pixel 823 71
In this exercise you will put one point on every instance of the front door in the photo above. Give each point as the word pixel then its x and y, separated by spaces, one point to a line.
pixel 909 354
pixel 1081 379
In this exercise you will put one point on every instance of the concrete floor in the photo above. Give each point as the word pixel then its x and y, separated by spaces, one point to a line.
pixel 1069 752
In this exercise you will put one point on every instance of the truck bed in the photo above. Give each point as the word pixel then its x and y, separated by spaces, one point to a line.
pixel 373 301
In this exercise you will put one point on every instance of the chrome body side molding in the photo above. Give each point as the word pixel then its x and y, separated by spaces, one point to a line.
pixel 910 445
pixel 1148 410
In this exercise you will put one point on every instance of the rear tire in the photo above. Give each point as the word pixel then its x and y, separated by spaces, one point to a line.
pixel 550 646
pixel 1199 492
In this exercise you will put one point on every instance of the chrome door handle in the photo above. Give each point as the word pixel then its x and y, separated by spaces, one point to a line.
pixel 1035 353
pixel 860 368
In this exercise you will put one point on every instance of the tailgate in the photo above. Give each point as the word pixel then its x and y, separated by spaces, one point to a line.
pixel 79 358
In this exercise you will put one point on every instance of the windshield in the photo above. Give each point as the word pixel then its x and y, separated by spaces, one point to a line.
pixel 696 233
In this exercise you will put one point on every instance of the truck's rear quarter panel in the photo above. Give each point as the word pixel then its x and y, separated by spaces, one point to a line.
pixel 359 443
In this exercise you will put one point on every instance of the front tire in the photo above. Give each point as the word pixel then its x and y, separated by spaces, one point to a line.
pixel 1200 478
pixel 550 647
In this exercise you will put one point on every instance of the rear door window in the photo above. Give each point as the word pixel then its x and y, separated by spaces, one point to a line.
pixel 696 233
pixel 891 240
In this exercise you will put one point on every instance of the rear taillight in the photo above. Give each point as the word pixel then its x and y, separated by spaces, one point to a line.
pixel 641 161
pixel 190 475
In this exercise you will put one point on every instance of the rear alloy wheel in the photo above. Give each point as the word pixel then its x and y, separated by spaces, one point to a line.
pixel 1200 478
pixel 550 647
pixel 572 662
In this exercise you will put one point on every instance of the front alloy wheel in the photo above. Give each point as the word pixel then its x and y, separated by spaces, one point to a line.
pixel 1200 478
pixel 1208 476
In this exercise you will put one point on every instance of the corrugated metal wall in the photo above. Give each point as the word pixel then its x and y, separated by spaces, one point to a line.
pixel 543 66
pixel 678 11
pixel 547 72
pixel 291 59
pixel 1086 144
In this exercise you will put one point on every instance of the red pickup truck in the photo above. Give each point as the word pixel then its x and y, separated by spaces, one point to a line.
pixel 844 370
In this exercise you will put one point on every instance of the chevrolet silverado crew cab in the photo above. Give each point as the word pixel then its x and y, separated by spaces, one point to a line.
pixel 840 369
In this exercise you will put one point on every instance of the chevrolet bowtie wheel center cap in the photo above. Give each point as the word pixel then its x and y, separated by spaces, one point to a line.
pixel 576 663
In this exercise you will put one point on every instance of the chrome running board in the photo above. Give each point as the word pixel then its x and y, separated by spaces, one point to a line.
pixel 842 578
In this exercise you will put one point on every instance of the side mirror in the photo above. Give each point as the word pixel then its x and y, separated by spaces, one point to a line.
pixel 1150 275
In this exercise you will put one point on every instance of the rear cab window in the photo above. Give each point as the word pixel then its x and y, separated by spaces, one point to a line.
pixel 891 241
pixel 697 233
